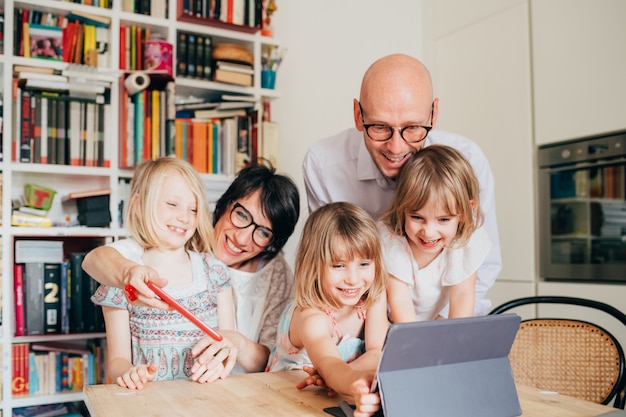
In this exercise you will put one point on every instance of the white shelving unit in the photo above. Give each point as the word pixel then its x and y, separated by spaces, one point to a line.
pixel 67 179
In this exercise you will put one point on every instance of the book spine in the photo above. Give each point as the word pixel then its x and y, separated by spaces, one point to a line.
pixel 25 127
pixel 52 131
pixel 76 291
pixel 52 298
pixel 65 300
pixel 191 54
pixel 36 110
pixel 181 58
pixel 61 123
pixel 18 282
pixel 19 380
pixel 208 58
pixel 100 157
pixel 200 50
pixel 33 301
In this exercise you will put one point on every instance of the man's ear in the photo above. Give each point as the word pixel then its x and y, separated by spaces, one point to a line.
pixel 358 124
pixel 435 112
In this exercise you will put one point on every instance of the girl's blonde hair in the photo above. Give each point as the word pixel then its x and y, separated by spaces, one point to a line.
pixel 440 174
pixel 140 215
pixel 333 233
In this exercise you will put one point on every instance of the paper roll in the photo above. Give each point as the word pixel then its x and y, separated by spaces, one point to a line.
pixel 136 82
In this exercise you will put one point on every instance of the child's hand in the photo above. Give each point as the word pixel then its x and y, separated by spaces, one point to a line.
pixel 313 379
pixel 137 277
pixel 137 376
pixel 367 403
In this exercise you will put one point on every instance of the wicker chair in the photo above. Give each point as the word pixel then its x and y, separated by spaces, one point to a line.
pixel 571 357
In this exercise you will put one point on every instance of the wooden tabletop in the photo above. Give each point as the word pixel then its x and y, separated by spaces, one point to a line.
pixel 273 394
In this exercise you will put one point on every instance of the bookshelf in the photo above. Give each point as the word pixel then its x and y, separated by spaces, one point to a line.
pixel 67 178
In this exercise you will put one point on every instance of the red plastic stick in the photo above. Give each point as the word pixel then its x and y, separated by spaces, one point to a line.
pixel 182 310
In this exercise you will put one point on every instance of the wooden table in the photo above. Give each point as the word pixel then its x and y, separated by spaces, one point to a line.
pixel 273 394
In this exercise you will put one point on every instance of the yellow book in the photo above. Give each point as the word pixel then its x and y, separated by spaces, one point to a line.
pixel 156 123
pixel 30 220
pixel 26 40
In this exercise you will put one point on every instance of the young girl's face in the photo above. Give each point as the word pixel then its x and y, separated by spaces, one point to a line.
pixel 348 279
pixel 430 229
pixel 176 212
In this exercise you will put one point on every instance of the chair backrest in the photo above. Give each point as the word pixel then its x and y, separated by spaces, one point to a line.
pixel 569 356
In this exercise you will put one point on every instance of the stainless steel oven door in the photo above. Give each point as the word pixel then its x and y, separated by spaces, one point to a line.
pixel 582 213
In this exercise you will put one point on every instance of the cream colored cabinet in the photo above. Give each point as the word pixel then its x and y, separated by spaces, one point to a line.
pixel 578 59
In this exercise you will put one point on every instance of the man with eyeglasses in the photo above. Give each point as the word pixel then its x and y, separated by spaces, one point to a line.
pixel 394 117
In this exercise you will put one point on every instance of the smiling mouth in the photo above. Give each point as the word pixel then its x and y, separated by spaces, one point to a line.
pixel 432 242
pixel 232 246
pixel 177 229
pixel 350 291
pixel 395 159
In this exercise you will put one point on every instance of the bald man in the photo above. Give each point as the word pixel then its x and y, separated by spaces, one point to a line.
pixel 394 117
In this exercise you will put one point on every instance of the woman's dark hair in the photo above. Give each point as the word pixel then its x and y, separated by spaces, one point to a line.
pixel 280 201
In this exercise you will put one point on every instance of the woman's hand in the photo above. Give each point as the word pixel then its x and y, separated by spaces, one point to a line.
pixel 213 359
pixel 137 376
pixel 314 379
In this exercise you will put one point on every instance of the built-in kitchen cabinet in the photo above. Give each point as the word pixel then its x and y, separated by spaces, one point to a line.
pixel 578 59
pixel 480 64
pixel 515 74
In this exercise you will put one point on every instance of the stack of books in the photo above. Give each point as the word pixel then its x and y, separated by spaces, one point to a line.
pixel 233 72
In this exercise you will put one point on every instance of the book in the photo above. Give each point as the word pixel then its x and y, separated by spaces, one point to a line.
pixel 231 77
pixel 52 298
pixel 18 283
pixel 29 220
pixel 234 66
pixel 19 376
pixel 270 148
pixel 181 54
pixel 88 18
pixel 33 299
pixel 47 251
pixel 77 324
pixel 64 296
pixel 218 114
pixel 45 42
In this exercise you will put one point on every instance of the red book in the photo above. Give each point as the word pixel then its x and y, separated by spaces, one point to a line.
pixel 122 50
pixel 19 381
pixel 18 283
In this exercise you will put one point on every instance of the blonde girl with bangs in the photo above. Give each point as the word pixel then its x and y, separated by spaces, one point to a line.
pixel 336 327
pixel 433 238
pixel 169 222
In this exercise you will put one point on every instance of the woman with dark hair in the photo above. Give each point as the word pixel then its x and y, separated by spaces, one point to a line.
pixel 252 220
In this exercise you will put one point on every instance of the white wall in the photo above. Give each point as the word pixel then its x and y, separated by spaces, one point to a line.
pixel 330 45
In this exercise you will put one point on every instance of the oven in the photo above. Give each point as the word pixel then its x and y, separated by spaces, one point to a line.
pixel 582 209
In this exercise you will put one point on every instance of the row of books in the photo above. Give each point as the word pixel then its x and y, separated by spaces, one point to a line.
pixel 52 294
pixel 605 182
pixel 55 367
pixel 131 51
pixel 54 126
pixel 78 37
pixel 194 55
pixel 147 124
pixel 236 12
pixel 154 8
pixel 218 146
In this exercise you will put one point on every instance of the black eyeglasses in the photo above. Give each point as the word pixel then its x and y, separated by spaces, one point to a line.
pixel 241 219
pixel 410 134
